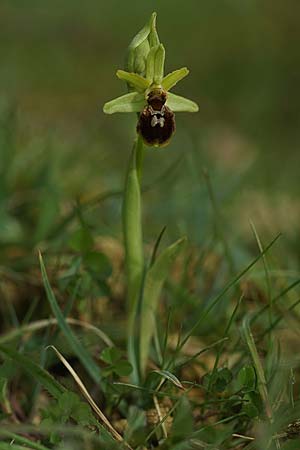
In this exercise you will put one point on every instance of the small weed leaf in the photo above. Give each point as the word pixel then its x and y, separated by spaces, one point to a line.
pixel 113 357
pixel 247 378
pixel 110 355
pixel 253 406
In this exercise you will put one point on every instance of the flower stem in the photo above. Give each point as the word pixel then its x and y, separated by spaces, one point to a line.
pixel 133 242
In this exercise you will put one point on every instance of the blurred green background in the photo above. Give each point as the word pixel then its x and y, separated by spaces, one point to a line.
pixel 58 64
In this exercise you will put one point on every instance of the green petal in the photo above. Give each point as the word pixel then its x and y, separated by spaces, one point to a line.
pixel 159 64
pixel 155 64
pixel 177 103
pixel 134 79
pixel 151 64
pixel 172 78
pixel 132 102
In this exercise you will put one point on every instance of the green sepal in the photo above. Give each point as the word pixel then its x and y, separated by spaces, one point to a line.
pixel 132 102
pixel 135 80
pixel 172 78
pixel 177 103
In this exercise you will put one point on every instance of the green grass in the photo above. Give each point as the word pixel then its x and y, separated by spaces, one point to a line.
pixel 204 353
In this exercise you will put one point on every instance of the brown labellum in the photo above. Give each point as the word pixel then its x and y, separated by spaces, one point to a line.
pixel 156 123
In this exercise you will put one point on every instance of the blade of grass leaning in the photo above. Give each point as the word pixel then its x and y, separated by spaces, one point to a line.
pixel 73 341
pixel 262 383
pixel 171 377
pixel 10 446
pixel 274 300
pixel 44 323
pixel 88 397
pixel 22 440
pixel 226 334
pixel 154 280
pixel 40 375
pixel 266 270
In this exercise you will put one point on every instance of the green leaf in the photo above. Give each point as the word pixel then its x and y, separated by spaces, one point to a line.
pixel 154 280
pixel 123 368
pixel 110 355
pixel 177 103
pixel 172 78
pixel 250 410
pixel 75 344
pixel 247 378
pixel 134 80
pixel 132 102
pixel 39 374
pixel 253 405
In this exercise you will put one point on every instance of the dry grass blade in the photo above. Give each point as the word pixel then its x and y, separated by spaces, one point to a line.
pixel 160 416
pixel 40 324
pixel 87 396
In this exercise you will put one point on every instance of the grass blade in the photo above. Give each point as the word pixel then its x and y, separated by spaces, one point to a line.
pixel 224 291
pixel 39 374
pixel 262 383
pixel 75 344
pixel 22 440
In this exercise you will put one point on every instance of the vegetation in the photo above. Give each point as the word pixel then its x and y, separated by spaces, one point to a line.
pixel 138 333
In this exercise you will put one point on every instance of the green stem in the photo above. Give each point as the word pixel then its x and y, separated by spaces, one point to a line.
pixel 133 241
